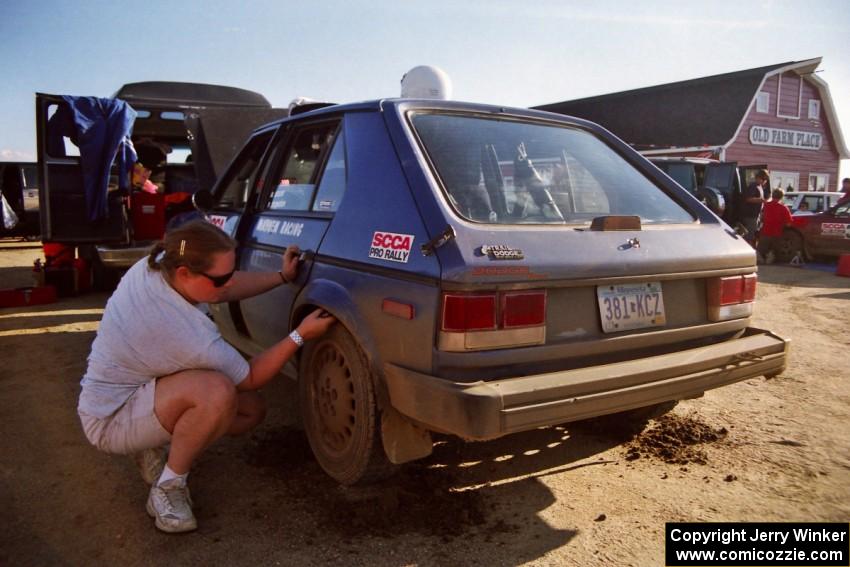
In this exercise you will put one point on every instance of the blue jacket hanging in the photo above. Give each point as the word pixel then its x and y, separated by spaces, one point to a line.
pixel 101 129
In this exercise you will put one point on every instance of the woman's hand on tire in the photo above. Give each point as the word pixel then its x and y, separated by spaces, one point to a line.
pixel 315 324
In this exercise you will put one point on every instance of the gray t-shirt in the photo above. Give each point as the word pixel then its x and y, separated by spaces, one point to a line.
pixel 149 330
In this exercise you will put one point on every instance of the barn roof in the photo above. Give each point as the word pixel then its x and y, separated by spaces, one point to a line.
pixel 698 112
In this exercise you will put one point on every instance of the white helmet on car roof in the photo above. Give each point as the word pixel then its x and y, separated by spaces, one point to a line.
pixel 426 81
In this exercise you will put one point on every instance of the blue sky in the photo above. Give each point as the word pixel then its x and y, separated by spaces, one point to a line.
pixel 500 52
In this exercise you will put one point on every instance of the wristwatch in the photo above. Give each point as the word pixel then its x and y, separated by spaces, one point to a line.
pixel 297 338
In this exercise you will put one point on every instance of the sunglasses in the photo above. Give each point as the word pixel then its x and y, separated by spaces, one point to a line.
pixel 219 281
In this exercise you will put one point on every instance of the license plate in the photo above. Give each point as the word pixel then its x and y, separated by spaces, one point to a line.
pixel 630 306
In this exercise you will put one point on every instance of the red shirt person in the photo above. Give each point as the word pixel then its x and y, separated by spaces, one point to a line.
pixel 775 217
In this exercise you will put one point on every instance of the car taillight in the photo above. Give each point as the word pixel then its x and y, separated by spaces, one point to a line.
pixel 477 321
pixel 523 309
pixel 730 297
pixel 748 292
pixel 469 312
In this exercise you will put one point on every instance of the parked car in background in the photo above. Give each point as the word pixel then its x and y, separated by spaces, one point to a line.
pixel 803 205
pixel 826 234
pixel 811 202
pixel 19 186
pixel 717 184
pixel 184 135
pixel 493 270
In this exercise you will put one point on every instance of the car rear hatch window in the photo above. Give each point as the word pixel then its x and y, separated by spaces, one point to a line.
pixel 504 171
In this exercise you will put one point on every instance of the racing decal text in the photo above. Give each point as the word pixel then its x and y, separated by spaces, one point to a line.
pixel 275 226
pixel 835 229
pixel 391 246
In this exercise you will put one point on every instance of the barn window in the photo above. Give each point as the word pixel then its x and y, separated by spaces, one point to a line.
pixel 814 109
pixel 763 102
pixel 818 181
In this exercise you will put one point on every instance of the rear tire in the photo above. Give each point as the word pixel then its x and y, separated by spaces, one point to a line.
pixel 339 409
pixel 790 245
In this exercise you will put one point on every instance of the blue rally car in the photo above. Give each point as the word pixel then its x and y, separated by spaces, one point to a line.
pixel 493 270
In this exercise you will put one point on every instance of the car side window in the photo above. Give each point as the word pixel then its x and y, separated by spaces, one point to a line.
pixel 235 189
pixel 332 184
pixel 295 185
pixel 30 177
pixel 810 204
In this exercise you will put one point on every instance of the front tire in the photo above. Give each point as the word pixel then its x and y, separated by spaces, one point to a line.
pixel 339 409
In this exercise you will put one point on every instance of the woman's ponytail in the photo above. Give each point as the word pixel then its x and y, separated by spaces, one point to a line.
pixel 156 250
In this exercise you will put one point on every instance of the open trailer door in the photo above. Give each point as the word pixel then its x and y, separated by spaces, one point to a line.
pixel 65 209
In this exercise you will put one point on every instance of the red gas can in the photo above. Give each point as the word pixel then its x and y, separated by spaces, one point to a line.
pixel 843 268
pixel 58 255
pixel 148 215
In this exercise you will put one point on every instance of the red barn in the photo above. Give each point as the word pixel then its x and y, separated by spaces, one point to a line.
pixel 781 116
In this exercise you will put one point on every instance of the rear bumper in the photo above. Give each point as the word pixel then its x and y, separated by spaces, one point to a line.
pixel 486 410
pixel 120 258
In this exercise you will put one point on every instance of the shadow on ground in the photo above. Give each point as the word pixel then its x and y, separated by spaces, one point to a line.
pixel 465 494
pixel 800 277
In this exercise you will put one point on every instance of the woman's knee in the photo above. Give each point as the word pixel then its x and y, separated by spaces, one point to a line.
pixel 219 394
pixel 206 390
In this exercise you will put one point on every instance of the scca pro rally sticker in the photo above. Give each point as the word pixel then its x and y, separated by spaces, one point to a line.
pixel 835 229
pixel 391 246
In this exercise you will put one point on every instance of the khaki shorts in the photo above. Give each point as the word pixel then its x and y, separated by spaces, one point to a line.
pixel 133 428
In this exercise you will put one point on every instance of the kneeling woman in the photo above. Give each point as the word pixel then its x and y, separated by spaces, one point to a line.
pixel 160 372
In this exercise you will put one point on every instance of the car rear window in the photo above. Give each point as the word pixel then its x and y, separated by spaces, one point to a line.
pixel 502 171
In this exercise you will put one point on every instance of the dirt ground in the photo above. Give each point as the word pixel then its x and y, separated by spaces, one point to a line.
pixel 761 450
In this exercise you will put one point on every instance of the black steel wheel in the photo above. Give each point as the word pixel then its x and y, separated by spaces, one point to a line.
pixel 339 409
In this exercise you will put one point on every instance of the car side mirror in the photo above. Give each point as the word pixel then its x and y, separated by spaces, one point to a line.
pixel 203 200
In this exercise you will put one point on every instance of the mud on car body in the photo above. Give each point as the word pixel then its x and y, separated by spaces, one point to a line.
pixel 493 270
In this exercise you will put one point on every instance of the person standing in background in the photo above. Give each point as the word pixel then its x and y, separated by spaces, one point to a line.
pixel 845 188
pixel 776 217
pixel 753 201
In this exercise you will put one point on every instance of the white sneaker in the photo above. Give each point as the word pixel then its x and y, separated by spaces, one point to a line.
pixel 171 506
pixel 151 463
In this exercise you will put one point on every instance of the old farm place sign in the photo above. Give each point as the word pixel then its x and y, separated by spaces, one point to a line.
pixel 764 136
